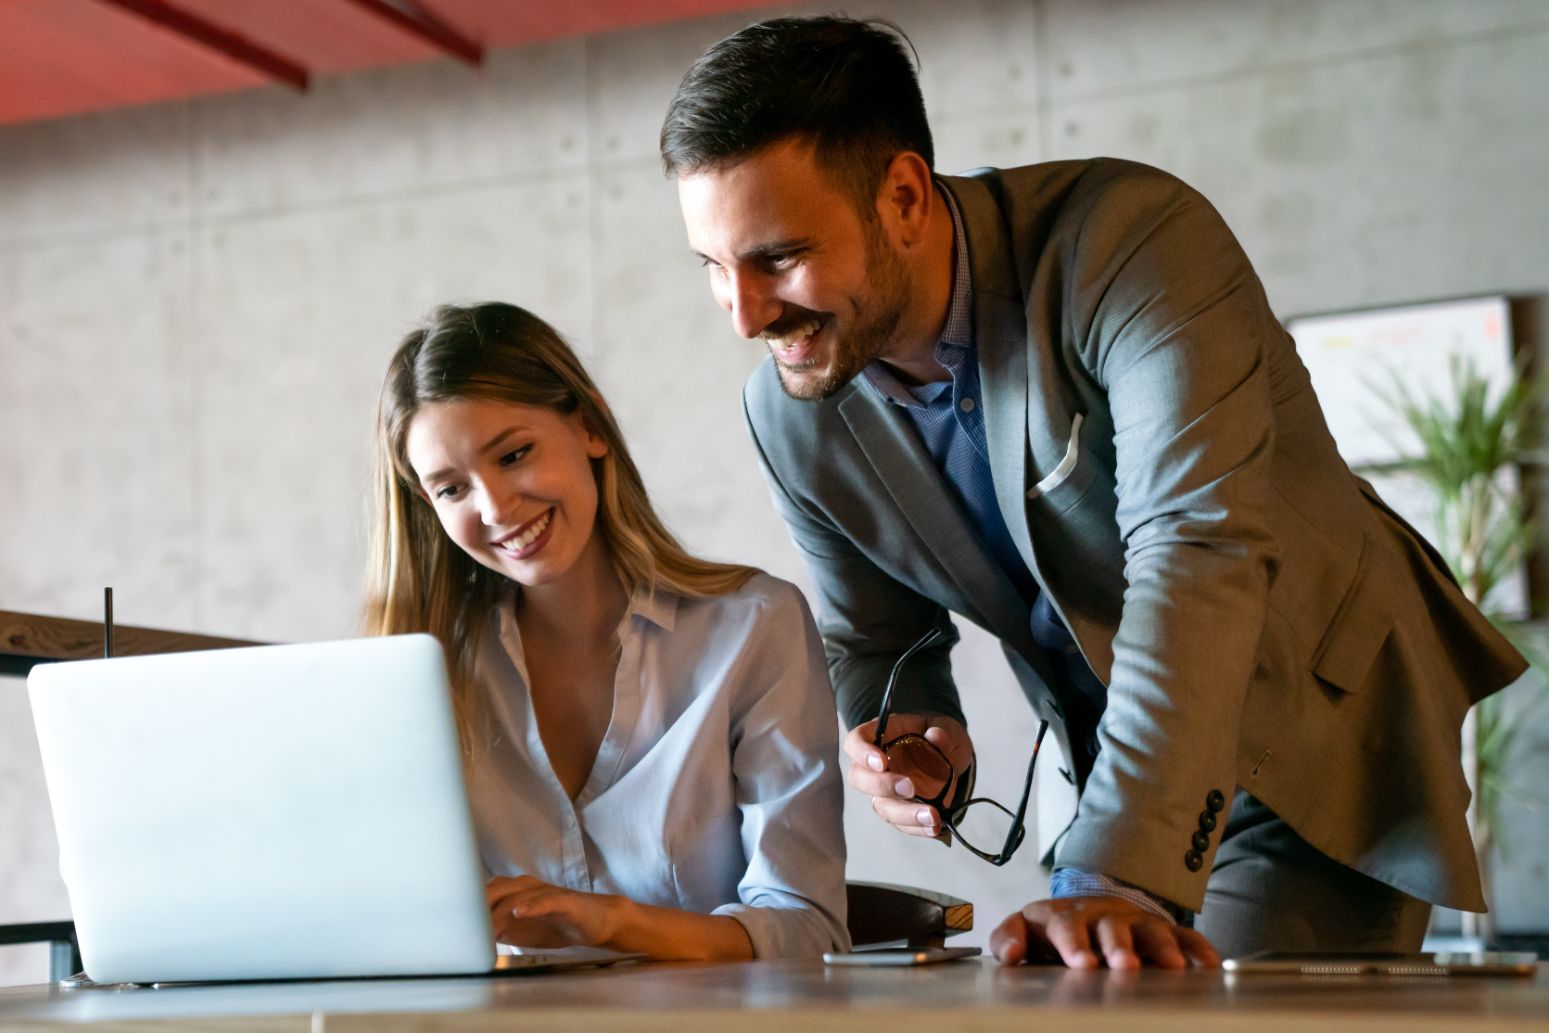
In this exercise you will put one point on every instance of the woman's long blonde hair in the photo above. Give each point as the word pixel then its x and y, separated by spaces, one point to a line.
pixel 419 580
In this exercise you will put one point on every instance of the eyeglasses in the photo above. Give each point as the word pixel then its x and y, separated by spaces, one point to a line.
pixel 966 818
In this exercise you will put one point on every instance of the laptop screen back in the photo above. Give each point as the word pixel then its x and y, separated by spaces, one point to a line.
pixel 270 812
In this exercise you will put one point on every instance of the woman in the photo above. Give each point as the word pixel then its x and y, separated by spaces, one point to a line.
pixel 651 737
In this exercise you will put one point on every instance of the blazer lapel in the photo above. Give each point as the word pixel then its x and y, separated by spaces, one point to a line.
pixel 916 487
pixel 1000 338
pixel 1003 384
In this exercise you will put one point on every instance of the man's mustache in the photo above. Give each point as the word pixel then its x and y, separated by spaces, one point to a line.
pixel 788 322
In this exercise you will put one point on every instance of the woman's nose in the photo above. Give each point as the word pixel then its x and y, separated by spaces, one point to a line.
pixel 496 502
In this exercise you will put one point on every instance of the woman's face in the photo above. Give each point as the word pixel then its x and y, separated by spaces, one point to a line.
pixel 511 484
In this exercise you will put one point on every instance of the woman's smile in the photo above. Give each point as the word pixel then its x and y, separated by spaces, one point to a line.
pixel 530 537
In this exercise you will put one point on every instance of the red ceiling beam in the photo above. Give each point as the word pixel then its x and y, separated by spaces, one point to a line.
pixel 240 49
pixel 416 20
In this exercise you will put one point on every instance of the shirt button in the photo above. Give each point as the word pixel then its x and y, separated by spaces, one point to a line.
pixel 570 821
pixel 967 405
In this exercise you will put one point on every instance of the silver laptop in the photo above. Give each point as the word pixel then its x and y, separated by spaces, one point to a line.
pixel 263 813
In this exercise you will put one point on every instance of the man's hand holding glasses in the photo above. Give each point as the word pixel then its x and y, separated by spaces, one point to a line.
pixel 896 789
pixel 918 771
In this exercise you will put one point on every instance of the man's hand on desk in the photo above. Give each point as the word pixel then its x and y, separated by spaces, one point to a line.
pixel 892 790
pixel 1086 932
pixel 528 912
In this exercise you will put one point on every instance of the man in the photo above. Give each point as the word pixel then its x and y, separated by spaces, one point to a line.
pixel 1054 400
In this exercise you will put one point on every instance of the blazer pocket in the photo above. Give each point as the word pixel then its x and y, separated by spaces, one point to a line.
pixel 1363 621
pixel 1062 486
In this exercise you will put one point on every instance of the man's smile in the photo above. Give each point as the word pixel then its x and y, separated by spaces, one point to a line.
pixel 792 347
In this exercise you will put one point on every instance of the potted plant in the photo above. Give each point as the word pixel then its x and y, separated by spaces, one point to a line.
pixel 1472 441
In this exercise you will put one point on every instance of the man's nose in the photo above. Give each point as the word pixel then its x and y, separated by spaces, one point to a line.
pixel 752 306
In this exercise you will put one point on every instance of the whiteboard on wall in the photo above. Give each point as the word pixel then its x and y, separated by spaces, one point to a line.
pixel 1355 357
pixel 1356 360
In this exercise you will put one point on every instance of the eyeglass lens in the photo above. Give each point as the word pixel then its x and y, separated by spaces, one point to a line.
pixel 927 767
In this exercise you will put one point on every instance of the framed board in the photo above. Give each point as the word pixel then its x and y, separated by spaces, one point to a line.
pixel 1357 360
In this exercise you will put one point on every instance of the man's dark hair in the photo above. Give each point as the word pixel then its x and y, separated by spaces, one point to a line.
pixel 847 86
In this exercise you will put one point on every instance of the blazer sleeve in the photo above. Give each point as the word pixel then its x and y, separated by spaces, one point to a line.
pixel 1169 317
pixel 867 618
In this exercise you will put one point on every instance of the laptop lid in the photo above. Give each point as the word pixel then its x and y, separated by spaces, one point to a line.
pixel 292 811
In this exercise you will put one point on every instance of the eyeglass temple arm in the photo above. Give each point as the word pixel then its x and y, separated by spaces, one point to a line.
pixel 1027 790
pixel 892 680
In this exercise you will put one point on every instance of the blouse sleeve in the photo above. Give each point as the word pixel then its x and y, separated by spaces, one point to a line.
pixel 785 767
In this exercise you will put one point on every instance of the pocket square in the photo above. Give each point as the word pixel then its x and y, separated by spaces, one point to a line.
pixel 1058 475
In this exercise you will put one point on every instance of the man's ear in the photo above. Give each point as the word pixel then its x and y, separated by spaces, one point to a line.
pixel 907 198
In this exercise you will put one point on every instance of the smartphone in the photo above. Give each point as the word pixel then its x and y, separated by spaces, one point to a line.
pixel 900 956
pixel 1320 963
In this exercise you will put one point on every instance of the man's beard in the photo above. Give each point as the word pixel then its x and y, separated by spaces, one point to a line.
pixel 870 336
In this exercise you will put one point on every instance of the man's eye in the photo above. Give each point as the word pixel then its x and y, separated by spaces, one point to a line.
pixel 781 260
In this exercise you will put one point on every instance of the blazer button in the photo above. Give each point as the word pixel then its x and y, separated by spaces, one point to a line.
pixel 1215 801
pixel 1193 860
pixel 1207 821
pixel 1201 842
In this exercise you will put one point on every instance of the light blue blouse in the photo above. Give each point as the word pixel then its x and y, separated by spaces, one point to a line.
pixel 716 788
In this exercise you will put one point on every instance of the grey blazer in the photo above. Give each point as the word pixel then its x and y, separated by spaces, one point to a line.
pixel 1259 616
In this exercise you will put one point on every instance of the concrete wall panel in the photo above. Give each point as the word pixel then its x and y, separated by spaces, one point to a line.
pixel 1126 46
pixel 95 413
pixel 94 174
pixel 410 129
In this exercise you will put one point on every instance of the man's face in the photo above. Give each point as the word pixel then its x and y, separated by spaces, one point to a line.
pixel 796 265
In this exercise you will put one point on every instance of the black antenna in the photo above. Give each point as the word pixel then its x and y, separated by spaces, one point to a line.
pixel 107 622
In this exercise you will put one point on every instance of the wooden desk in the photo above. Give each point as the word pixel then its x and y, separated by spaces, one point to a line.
pixel 798 997
pixel 28 639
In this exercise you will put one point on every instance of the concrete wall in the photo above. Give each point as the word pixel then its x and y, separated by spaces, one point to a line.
pixel 197 299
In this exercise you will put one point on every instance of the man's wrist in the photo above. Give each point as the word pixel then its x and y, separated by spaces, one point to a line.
pixel 1074 882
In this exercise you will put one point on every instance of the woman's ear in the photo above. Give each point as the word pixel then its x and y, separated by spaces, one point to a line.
pixel 596 444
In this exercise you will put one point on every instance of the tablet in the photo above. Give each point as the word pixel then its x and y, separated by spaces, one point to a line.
pixel 1322 963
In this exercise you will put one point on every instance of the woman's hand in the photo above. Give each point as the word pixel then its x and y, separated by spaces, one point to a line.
pixel 528 912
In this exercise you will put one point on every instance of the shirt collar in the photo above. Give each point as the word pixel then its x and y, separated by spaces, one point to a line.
pixel 959 326
pixel 957 332
pixel 660 607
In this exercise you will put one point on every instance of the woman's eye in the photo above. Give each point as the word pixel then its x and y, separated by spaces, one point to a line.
pixel 447 492
pixel 514 455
